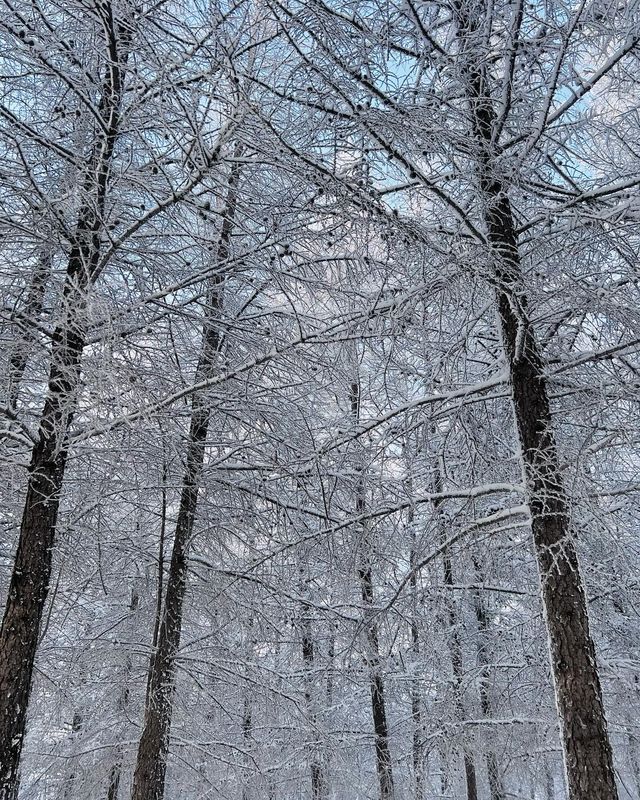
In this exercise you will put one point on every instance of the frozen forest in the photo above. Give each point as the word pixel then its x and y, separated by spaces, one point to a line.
pixel 320 399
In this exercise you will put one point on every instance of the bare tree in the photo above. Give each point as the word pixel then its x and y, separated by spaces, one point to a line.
pixel 384 764
pixel 32 569
pixel 149 780
pixel 588 757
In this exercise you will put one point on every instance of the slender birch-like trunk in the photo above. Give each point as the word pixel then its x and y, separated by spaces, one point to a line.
pixel 457 666
pixel 496 786
pixel 153 748
pixel 455 644
pixel 417 744
pixel 247 714
pixel 115 773
pixel 376 683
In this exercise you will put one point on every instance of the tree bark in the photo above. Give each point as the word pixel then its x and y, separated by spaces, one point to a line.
pixel 496 786
pixel 318 776
pixel 376 683
pixel 587 749
pixel 248 777
pixel 153 748
pixel 115 773
pixel 457 666
pixel 417 745
pixel 247 736
pixel 455 646
pixel 29 583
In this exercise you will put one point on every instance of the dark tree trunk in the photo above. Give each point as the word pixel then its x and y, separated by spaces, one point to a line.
pixel 29 583
pixel 318 776
pixel 30 580
pixel 416 710
pixel 247 736
pixel 455 646
pixel 496 786
pixel 457 667
pixel 154 742
pixel 153 749
pixel 588 757
pixel 587 749
pixel 115 773
pixel 376 683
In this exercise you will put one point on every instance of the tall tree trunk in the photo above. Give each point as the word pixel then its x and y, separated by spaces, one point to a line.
pixel 417 747
pixel 153 749
pixel 496 786
pixel 29 583
pixel 587 749
pixel 247 736
pixel 455 645
pixel 318 776
pixel 457 666
pixel 248 775
pixel 588 756
pixel 315 746
pixel 376 683
pixel 327 713
pixel 115 773
pixel 246 722
pixel 416 699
